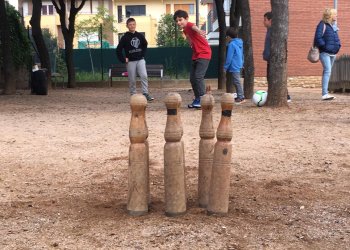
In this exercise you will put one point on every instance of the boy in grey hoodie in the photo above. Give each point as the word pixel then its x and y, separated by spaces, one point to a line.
pixel 234 61
pixel 134 45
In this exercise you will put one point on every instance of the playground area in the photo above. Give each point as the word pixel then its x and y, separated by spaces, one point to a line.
pixel 64 174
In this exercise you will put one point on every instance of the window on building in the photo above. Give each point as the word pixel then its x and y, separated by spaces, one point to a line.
pixel 135 10
pixel 91 7
pixel 25 9
pixel 120 14
pixel 50 9
pixel 86 8
pixel 189 8
pixel 94 9
pixel 47 9
pixel 168 9
pixel 44 9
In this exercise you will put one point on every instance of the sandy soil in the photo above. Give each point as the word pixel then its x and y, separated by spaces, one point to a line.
pixel 64 161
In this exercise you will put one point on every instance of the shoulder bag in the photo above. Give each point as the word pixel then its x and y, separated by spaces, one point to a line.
pixel 314 53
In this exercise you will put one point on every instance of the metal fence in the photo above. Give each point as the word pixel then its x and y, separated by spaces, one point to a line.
pixel 176 60
pixel 340 77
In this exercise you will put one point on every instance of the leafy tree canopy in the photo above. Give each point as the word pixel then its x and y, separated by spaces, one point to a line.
pixel 167 32
pixel 89 28
pixel 20 44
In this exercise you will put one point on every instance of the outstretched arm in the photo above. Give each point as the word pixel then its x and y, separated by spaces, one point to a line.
pixel 199 31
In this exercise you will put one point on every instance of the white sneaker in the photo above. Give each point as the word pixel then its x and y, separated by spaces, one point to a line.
pixel 234 95
pixel 327 97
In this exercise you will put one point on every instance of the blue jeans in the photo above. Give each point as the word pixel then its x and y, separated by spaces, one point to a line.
pixel 327 61
pixel 236 81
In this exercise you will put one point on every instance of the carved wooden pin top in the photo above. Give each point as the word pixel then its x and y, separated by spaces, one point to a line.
pixel 173 130
pixel 138 131
pixel 224 132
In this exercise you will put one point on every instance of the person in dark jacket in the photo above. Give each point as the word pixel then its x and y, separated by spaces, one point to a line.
pixel 134 45
pixel 328 42
pixel 267 47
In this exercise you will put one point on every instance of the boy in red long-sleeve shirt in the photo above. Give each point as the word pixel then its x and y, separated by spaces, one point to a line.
pixel 201 55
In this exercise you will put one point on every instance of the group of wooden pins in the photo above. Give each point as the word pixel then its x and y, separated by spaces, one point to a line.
pixel 214 157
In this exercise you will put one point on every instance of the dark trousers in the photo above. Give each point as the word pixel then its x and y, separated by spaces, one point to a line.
pixel 198 69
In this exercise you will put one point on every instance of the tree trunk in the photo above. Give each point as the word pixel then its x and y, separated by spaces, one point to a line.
pixel 35 22
pixel 229 86
pixel 70 64
pixel 222 42
pixel 248 49
pixel 234 14
pixel 8 67
pixel 68 34
pixel 91 61
pixel 277 86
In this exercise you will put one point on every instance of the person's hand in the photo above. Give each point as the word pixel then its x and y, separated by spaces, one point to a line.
pixel 202 33
pixel 199 31
pixel 126 60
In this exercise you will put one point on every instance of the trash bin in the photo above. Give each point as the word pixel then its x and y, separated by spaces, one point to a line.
pixel 39 82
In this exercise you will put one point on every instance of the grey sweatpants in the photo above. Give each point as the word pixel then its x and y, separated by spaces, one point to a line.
pixel 139 68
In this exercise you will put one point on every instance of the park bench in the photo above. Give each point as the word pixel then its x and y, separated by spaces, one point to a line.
pixel 57 78
pixel 119 70
pixel 340 77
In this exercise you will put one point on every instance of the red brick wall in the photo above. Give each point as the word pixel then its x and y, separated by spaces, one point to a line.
pixel 304 15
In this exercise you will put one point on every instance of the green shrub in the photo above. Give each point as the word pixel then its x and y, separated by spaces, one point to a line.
pixel 83 76
pixel 20 45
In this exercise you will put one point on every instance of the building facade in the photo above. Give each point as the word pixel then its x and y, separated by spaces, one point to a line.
pixel 303 18
pixel 147 15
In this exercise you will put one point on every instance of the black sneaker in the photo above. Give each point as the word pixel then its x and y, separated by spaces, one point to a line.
pixel 239 100
pixel 289 99
pixel 148 97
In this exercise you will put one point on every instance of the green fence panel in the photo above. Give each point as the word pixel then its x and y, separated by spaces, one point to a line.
pixel 176 61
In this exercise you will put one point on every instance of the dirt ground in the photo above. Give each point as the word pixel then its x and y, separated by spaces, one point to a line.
pixel 64 161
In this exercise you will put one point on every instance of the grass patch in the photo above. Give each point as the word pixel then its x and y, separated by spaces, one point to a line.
pixel 89 76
